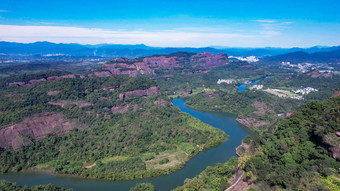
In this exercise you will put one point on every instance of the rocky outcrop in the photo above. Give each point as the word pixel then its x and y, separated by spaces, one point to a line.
pixel 336 94
pixel 102 74
pixel 50 93
pixel 317 74
pixel 35 81
pixel 149 65
pixel 209 60
pixel 331 142
pixel 65 103
pixel 35 127
pixel 252 122
pixel 161 102
pixel 140 93
pixel 123 108
pixel 261 108
pixel 211 95
pixel 185 92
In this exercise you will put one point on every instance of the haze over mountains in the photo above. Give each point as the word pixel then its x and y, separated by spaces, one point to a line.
pixel 137 50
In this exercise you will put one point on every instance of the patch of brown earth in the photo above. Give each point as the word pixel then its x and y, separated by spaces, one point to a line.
pixel 147 66
pixel 251 122
pixel 185 92
pixel 37 127
pixel 35 81
pixel 243 145
pixel 123 108
pixel 261 108
pixel 111 88
pixel 89 165
pixel 211 95
pixel 9 95
pixel 53 93
pixel 336 94
pixel 140 93
pixel 237 182
pixel 78 103
pixel 317 74
pixel 102 74
pixel 209 60
pixel 161 102
pixel 288 78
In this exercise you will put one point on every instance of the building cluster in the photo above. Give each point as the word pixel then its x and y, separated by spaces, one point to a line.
pixel 228 81
pixel 257 87
pixel 307 67
pixel 304 91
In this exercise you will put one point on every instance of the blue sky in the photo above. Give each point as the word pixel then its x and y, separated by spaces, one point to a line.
pixel 237 23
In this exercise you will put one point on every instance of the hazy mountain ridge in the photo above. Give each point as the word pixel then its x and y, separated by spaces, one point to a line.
pixel 138 50
pixel 301 56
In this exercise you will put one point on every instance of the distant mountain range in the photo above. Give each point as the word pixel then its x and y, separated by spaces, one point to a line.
pixel 118 50
pixel 301 56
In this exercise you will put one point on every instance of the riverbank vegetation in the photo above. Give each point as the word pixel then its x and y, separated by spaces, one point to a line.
pixel 9 186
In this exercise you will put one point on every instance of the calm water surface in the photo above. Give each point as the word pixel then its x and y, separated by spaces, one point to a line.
pixel 242 88
pixel 220 154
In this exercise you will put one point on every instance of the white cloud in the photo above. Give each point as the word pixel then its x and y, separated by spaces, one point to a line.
pixel 266 21
pixel 61 34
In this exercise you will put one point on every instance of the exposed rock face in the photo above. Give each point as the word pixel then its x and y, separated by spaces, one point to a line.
pixel 79 103
pixel 103 74
pixel 251 122
pixel 317 74
pixel 261 108
pixel 336 94
pixel 35 81
pixel 140 93
pixel 148 65
pixel 53 92
pixel 209 60
pixel 36 127
pixel 331 142
pixel 123 108
pixel 211 95
pixel 334 152
pixel 185 92
pixel 161 102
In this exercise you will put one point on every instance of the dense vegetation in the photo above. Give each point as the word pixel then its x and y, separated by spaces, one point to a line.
pixel 212 178
pixel 292 154
pixel 143 187
pixel 9 186
pixel 116 146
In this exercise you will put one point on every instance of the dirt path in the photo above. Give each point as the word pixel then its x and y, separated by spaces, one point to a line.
pixel 232 186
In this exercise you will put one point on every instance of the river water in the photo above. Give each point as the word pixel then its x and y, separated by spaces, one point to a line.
pixel 242 88
pixel 222 153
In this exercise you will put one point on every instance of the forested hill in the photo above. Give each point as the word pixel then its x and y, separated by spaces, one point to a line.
pixel 117 127
pixel 300 152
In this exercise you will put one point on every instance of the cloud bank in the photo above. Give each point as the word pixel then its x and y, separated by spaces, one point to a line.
pixel 165 38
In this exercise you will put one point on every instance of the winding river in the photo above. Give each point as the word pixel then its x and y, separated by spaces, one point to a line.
pixel 220 154
pixel 242 88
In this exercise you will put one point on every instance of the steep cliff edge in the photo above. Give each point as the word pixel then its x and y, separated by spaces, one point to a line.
pixel 35 127
pixel 184 62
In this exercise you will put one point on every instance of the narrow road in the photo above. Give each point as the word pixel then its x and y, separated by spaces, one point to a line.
pixel 238 180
